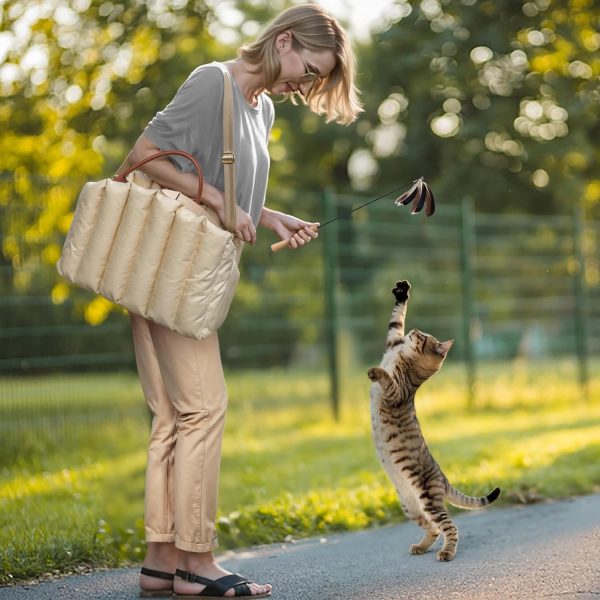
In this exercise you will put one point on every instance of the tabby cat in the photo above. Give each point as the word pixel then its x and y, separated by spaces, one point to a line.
pixel 410 360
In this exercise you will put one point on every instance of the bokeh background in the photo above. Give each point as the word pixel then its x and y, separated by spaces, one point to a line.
pixel 495 103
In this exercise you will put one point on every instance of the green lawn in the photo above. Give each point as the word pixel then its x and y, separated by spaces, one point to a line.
pixel 71 487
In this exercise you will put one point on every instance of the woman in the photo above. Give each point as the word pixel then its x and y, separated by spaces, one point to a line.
pixel 305 54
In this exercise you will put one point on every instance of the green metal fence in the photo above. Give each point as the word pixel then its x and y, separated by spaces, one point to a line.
pixel 501 285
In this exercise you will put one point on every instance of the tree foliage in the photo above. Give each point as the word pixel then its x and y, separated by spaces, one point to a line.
pixel 80 80
pixel 494 99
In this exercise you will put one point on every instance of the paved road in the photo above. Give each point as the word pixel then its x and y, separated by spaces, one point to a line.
pixel 549 551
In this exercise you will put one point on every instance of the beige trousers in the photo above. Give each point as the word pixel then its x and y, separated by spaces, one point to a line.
pixel 182 380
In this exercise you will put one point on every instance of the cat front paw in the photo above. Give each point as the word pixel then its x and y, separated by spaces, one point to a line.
pixel 416 549
pixel 401 291
pixel 375 373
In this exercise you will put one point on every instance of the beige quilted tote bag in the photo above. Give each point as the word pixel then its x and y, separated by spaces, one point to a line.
pixel 155 251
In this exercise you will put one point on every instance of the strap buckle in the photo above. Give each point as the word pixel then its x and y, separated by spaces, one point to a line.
pixel 191 577
pixel 228 158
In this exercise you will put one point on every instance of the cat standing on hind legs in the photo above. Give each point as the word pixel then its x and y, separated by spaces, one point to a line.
pixel 409 360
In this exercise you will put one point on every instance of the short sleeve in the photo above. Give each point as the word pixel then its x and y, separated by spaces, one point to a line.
pixel 190 120
pixel 270 115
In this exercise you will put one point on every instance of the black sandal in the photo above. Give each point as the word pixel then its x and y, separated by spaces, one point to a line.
pixel 166 593
pixel 215 588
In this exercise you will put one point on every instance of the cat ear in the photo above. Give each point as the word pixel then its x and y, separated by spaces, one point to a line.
pixel 442 348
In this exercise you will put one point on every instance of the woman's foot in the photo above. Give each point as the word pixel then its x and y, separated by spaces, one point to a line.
pixel 160 556
pixel 204 564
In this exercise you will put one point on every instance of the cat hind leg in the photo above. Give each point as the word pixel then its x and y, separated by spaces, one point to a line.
pixel 449 531
pixel 431 534
pixel 413 511
pixel 435 511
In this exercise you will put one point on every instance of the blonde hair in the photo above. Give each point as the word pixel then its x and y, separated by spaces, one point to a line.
pixel 334 96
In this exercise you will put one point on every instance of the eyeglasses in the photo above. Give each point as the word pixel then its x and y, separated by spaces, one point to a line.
pixel 309 78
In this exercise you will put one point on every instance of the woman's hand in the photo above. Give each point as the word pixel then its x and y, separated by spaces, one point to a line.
pixel 244 227
pixel 299 232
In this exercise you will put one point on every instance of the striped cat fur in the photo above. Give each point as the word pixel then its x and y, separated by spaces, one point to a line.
pixel 409 360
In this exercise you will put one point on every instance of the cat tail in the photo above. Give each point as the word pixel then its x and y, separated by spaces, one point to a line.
pixel 463 501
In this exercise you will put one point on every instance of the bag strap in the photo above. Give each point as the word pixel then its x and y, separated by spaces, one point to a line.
pixel 228 156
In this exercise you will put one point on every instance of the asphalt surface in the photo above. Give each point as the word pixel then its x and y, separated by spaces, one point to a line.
pixel 549 551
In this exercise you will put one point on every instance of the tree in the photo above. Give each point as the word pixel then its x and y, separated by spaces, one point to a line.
pixel 80 80
pixel 496 97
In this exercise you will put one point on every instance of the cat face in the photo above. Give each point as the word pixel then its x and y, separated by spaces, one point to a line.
pixel 424 350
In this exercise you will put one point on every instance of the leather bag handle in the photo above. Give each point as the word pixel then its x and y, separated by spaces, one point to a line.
pixel 121 178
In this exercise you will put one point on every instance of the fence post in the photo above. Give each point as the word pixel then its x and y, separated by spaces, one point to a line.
pixel 467 222
pixel 582 323
pixel 331 321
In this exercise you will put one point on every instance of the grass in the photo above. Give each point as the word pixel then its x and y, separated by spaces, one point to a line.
pixel 71 487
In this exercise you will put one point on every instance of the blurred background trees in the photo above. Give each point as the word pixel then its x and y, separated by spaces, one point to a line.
pixel 493 99
pixel 497 99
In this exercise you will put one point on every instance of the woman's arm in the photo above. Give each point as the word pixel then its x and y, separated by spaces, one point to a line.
pixel 164 172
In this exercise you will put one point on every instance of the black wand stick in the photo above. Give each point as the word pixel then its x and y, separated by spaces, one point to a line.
pixel 419 194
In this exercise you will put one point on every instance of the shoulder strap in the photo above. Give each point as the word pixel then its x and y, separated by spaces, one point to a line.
pixel 228 157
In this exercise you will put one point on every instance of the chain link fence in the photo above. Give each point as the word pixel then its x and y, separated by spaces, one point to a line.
pixel 502 285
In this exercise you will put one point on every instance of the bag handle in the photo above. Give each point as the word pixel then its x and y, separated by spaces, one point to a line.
pixel 121 178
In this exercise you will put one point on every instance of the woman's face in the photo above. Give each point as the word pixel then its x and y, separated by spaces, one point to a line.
pixel 296 65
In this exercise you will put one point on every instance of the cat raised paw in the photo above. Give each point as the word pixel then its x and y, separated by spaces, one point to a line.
pixel 401 291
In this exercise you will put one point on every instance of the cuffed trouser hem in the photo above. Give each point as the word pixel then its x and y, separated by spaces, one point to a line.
pixel 191 547
pixel 159 537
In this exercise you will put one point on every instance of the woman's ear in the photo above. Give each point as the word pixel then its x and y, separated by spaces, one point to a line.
pixel 283 41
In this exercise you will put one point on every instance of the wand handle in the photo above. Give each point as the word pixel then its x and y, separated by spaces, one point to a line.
pixel 284 243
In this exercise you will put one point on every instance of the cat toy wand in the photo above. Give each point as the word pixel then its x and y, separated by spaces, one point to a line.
pixel 419 194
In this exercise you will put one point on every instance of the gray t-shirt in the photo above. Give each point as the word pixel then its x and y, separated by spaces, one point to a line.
pixel 193 122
